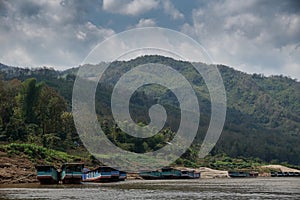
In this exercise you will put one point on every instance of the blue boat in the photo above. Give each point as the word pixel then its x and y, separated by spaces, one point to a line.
pixel 170 173
pixel 150 175
pixel 285 174
pixel 189 174
pixel 273 174
pixel 47 174
pixel 103 174
pixel 241 174
pixel 123 176
pixel 72 173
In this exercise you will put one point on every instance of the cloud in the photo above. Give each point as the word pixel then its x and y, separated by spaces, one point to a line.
pixel 129 7
pixel 170 9
pixel 253 36
pixel 54 33
pixel 146 23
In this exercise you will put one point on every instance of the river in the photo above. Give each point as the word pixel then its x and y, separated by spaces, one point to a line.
pixel 255 188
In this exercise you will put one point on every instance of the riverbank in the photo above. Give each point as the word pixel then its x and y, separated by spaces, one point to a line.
pixel 20 168
pixel 16 170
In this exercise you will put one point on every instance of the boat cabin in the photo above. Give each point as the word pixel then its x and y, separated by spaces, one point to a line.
pixel 47 174
pixel 71 172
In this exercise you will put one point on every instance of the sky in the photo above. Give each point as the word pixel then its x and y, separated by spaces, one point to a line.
pixel 254 36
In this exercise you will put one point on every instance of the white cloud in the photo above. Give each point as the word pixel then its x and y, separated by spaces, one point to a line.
pixel 129 7
pixel 146 23
pixel 53 33
pixel 252 37
pixel 170 9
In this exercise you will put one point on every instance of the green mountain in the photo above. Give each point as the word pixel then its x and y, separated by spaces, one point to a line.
pixel 263 113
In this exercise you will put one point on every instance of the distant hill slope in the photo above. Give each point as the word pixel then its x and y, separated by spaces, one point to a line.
pixel 263 113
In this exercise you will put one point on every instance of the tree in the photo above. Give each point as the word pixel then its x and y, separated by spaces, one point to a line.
pixel 49 108
pixel 28 98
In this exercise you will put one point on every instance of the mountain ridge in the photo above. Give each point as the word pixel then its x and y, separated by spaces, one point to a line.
pixel 262 112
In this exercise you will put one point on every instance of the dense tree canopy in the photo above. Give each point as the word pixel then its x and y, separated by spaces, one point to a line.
pixel 262 112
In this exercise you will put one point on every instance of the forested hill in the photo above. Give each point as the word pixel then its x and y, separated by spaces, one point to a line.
pixel 263 113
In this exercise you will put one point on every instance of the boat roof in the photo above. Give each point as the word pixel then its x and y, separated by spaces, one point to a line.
pixel 38 167
pixel 44 166
pixel 73 164
pixel 101 167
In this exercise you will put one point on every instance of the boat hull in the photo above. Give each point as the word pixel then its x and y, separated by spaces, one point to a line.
pixel 47 179
pixel 71 179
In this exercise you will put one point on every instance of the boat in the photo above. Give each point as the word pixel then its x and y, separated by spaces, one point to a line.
pixel 253 174
pixel 103 174
pixel 169 173
pixel 285 174
pixel 47 174
pixel 122 176
pixel 273 174
pixel 150 175
pixel 241 174
pixel 280 174
pixel 291 174
pixel 189 174
pixel 115 174
pixel 71 173
pixel 185 174
pixel 194 175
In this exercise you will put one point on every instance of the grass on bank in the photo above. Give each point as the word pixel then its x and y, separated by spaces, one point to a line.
pixel 38 154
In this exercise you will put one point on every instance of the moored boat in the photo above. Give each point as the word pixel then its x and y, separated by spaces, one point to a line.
pixel 253 174
pixel 103 174
pixel 273 174
pixel 285 174
pixel 150 175
pixel 194 175
pixel 72 173
pixel 170 173
pixel 123 176
pixel 242 174
pixel 280 174
pixel 47 174
pixel 189 174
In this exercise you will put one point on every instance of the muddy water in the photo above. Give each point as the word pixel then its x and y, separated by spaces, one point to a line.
pixel 256 188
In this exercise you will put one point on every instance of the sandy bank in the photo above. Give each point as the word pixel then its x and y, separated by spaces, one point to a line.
pixel 279 168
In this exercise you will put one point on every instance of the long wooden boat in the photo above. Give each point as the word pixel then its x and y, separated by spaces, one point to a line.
pixel 273 174
pixel 47 174
pixel 103 174
pixel 189 174
pixel 241 174
pixel 122 176
pixel 150 175
pixel 71 172
pixel 285 174
pixel 170 173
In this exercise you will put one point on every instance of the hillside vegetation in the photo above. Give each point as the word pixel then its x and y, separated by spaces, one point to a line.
pixel 262 123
